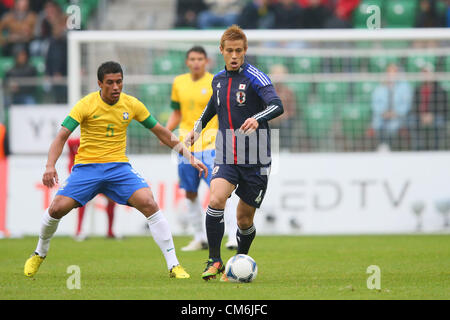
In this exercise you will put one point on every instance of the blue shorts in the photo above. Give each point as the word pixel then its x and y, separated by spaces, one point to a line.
pixel 117 180
pixel 189 179
pixel 251 182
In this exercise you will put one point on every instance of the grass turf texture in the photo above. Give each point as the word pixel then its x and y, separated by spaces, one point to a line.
pixel 306 267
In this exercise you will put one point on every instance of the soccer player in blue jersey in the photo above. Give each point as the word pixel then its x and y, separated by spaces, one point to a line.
pixel 190 93
pixel 244 100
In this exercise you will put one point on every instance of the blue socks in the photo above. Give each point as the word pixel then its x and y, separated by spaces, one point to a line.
pixel 245 239
pixel 215 228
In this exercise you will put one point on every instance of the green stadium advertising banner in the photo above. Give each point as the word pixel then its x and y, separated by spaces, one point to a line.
pixel 352 193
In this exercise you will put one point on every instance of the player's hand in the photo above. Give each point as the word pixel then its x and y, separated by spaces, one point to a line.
pixel 197 164
pixel 249 126
pixel 50 177
pixel 191 137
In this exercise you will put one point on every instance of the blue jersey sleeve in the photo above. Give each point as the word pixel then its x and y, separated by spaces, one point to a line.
pixel 268 94
pixel 266 91
pixel 262 84
pixel 208 113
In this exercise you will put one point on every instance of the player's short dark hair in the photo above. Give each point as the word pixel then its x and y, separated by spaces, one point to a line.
pixel 108 68
pixel 198 49
pixel 233 33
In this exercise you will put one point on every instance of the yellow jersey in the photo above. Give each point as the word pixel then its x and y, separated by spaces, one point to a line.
pixel 104 127
pixel 191 98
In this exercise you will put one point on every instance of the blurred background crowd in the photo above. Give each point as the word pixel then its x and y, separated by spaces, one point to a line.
pixel 391 114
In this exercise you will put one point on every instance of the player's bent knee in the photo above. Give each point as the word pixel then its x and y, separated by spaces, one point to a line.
pixel 149 207
pixel 244 222
pixel 217 202
pixel 61 206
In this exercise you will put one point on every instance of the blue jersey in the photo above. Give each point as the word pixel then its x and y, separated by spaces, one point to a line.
pixel 237 96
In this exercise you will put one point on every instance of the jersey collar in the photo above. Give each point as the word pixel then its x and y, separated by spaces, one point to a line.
pixel 105 103
pixel 241 68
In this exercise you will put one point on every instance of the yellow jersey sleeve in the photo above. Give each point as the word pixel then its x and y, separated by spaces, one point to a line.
pixel 140 111
pixel 78 112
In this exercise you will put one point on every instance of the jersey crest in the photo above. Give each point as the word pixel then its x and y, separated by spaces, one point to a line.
pixel 240 97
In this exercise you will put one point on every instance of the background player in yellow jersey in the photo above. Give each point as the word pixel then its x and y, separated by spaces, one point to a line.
pixel 101 165
pixel 190 94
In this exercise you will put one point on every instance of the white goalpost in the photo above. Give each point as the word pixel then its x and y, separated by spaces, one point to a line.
pixel 77 38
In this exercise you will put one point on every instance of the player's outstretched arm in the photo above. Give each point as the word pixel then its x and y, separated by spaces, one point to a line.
pixel 170 140
pixel 174 120
pixel 208 113
pixel 50 177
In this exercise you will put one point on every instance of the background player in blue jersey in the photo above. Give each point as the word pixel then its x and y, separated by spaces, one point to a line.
pixel 244 100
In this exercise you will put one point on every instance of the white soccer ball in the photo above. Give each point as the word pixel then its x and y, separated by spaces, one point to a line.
pixel 241 268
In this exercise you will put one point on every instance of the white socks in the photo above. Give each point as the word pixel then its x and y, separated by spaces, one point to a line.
pixel 160 230
pixel 48 229
pixel 195 216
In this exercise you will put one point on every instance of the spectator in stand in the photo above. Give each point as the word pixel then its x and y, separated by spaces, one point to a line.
pixel 342 14
pixel 447 15
pixel 18 24
pixel 305 3
pixel 37 5
pixel 257 14
pixel 315 15
pixel 391 102
pixel 187 12
pixel 21 93
pixel 56 59
pixel 428 15
pixel 220 13
pixel 288 15
pixel 43 30
pixel 5 6
pixel 286 122
pixel 429 114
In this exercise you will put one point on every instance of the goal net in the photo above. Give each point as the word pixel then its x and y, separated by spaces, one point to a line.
pixel 343 90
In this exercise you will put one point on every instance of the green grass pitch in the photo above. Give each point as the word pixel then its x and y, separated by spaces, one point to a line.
pixel 303 267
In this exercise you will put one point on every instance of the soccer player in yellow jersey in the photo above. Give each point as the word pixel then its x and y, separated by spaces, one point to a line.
pixel 190 94
pixel 101 165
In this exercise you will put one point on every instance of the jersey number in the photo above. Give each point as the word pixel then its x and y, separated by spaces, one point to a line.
pixel 110 130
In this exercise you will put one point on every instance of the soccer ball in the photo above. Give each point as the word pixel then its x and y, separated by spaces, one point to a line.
pixel 241 268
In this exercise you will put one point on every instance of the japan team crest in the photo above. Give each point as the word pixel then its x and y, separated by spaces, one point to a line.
pixel 240 97
pixel 126 115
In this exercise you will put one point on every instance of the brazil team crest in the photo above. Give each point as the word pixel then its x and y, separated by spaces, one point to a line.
pixel 240 97
pixel 126 115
